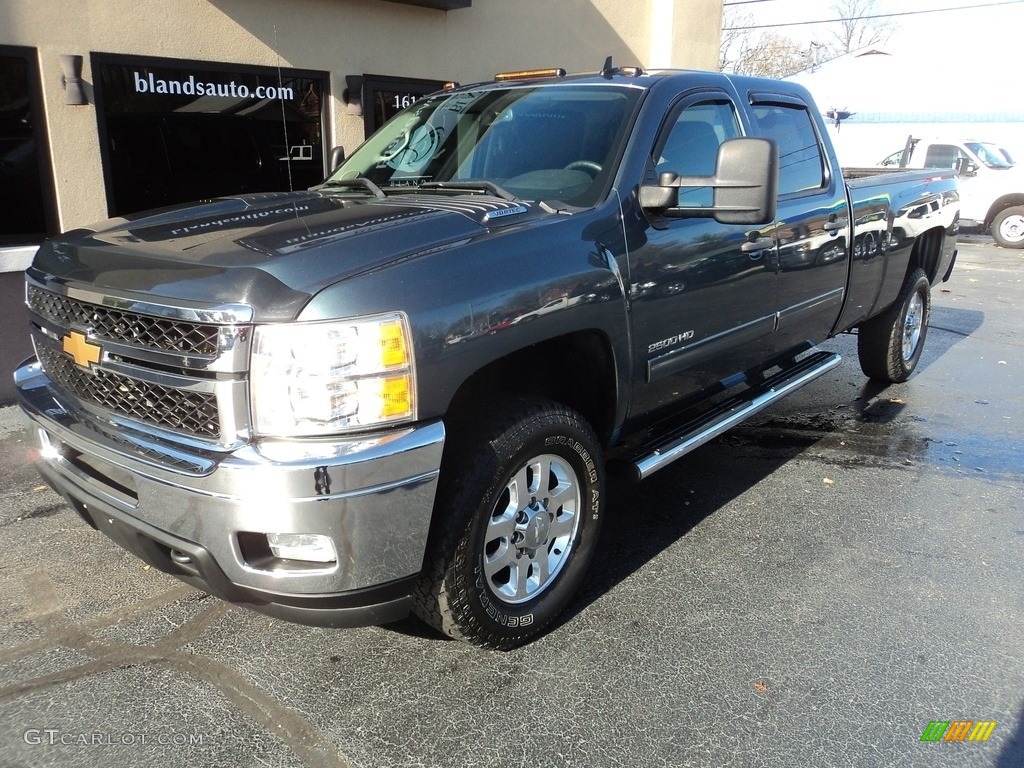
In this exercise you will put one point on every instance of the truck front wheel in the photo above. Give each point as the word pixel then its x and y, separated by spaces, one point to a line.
pixel 517 516
pixel 889 345
pixel 1008 227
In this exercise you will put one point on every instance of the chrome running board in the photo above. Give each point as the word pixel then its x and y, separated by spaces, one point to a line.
pixel 730 413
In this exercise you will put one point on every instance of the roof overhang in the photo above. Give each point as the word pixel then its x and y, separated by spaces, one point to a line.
pixel 441 5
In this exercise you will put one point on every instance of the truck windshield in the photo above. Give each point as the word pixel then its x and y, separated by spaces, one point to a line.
pixel 989 154
pixel 533 143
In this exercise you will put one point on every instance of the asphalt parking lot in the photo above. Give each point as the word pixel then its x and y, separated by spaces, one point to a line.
pixel 812 589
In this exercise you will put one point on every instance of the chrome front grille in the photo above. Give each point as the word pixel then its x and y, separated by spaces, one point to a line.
pixel 124 326
pixel 194 413
pixel 177 369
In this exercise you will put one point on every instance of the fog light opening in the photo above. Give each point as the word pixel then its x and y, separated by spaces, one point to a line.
pixel 307 547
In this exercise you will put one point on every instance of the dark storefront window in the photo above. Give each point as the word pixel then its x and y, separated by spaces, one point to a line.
pixel 384 97
pixel 175 131
pixel 26 192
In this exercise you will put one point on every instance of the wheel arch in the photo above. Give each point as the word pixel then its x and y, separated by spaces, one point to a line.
pixel 576 369
pixel 926 254
pixel 1001 204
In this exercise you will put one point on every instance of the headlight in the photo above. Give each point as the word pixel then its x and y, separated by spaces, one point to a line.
pixel 323 378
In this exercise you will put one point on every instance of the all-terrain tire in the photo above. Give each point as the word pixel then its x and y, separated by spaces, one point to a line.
pixel 516 518
pixel 889 346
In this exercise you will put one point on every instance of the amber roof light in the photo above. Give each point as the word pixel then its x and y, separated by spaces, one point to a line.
pixel 529 74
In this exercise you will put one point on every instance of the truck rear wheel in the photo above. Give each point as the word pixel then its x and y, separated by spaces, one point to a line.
pixel 517 516
pixel 889 346
pixel 1008 227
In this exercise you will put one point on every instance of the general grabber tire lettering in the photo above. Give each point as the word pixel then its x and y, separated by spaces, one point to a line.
pixel 517 515
pixel 889 346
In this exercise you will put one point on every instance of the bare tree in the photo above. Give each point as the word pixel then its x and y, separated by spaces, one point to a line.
pixel 733 41
pixel 772 55
pixel 768 54
pixel 857 26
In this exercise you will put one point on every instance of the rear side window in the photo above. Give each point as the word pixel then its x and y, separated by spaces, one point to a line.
pixel 942 156
pixel 801 165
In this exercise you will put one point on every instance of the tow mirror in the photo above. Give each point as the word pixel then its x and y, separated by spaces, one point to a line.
pixel 745 186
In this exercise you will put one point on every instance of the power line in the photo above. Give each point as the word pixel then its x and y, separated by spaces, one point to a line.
pixel 871 16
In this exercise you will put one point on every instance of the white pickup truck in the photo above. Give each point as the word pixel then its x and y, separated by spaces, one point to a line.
pixel 991 186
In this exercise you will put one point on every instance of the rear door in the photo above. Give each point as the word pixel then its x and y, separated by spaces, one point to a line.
pixel 812 227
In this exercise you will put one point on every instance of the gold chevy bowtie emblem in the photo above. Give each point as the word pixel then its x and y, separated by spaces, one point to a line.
pixel 81 349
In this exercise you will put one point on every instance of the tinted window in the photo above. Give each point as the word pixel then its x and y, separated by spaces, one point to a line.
pixel 691 147
pixel 801 166
pixel 942 156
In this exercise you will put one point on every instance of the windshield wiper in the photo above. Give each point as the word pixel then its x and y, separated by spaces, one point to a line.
pixel 358 182
pixel 472 186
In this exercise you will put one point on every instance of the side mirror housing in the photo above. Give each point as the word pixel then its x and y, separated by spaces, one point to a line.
pixel 745 186
pixel 337 158
pixel 966 167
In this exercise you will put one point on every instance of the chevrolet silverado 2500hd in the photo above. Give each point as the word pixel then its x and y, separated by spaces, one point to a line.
pixel 402 390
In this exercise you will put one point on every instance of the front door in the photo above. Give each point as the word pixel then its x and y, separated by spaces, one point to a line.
pixel 703 299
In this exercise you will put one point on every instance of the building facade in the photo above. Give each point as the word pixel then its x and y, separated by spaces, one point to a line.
pixel 108 107
pixel 101 99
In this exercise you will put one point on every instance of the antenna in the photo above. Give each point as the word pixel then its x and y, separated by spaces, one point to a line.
pixel 284 117
pixel 607 70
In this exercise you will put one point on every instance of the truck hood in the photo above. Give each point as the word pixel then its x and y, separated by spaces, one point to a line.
pixel 272 251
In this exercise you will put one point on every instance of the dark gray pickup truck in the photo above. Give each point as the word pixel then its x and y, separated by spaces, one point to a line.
pixel 403 389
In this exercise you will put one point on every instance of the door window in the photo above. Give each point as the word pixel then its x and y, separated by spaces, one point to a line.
pixel 942 156
pixel 801 165
pixel 691 147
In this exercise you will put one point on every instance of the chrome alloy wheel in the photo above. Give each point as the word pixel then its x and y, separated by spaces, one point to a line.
pixel 912 325
pixel 532 529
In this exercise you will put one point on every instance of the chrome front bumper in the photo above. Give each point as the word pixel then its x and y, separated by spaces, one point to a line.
pixel 200 515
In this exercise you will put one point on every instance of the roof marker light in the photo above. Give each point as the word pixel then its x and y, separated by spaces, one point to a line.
pixel 529 74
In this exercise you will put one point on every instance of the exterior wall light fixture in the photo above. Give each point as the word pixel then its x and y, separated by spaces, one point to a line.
pixel 352 96
pixel 71 79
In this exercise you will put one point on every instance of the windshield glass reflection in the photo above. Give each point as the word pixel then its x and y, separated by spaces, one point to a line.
pixel 527 143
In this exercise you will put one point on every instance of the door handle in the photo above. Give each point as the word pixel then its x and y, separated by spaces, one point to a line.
pixel 834 224
pixel 754 248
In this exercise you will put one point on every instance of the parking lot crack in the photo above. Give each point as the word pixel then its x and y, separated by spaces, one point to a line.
pixel 294 730
pixel 47 611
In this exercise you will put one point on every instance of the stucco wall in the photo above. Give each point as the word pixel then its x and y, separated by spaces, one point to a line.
pixel 341 37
